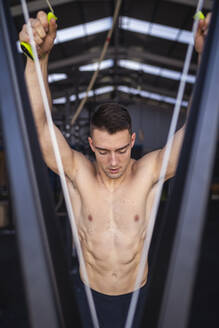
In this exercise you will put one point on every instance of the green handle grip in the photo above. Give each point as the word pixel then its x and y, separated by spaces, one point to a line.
pixel 199 15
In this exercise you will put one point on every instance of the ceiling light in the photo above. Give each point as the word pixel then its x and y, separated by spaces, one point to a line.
pixel 155 70
pixel 79 31
pixel 103 90
pixel 156 30
pixel 57 77
pixel 61 100
pixel 93 67
pixel 150 95
pixel 91 93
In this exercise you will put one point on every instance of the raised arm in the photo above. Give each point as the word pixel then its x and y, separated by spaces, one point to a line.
pixel 155 159
pixel 44 36
pixel 178 137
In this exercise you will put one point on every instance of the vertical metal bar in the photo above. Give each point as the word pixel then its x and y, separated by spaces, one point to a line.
pixel 191 218
pixel 178 235
pixel 48 294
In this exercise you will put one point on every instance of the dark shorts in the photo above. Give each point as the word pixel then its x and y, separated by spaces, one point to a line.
pixel 111 310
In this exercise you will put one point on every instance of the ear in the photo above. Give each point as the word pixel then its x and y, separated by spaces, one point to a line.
pixel 133 137
pixel 91 143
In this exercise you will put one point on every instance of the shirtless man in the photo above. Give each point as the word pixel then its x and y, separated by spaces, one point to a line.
pixel 112 197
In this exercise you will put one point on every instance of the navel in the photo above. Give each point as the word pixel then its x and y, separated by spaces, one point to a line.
pixel 90 218
pixel 136 218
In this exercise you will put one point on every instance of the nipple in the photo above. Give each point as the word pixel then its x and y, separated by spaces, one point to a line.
pixel 90 218
pixel 136 218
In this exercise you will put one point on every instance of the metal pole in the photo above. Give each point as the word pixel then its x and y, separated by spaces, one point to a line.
pixel 175 263
pixel 47 285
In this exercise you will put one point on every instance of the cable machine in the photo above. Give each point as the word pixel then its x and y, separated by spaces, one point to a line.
pixel 46 280
pixel 48 288
pixel 176 257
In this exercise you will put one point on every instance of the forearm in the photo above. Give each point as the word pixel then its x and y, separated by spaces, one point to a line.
pixel 34 91
pixel 177 144
pixel 199 60
pixel 190 100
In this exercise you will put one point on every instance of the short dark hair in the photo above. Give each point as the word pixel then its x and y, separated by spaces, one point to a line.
pixel 111 117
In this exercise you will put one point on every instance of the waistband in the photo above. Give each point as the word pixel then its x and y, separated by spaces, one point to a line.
pixel 111 297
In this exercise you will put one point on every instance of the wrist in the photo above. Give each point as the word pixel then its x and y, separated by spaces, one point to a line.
pixel 43 61
pixel 44 58
pixel 199 59
pixel 30 69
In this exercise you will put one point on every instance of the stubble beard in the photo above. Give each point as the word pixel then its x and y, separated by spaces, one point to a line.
pixel 114 176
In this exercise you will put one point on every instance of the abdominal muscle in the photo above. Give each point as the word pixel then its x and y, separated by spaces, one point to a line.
pixel 112 229
pixel 112 261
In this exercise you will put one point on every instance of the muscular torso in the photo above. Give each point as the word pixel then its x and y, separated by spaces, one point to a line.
pixel 112 226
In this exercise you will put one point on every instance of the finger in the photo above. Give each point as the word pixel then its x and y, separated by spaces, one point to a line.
pixel 207 23
pixel 208 19
pixel 38 28
pixel 199 29
pixel 37 39
pixel 52 27
pixel 24 37
pixel 24 29
pixel 201 25
pixel 199 32
pixel 42 16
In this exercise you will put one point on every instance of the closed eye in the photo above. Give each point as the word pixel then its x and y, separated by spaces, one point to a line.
pixel 122 151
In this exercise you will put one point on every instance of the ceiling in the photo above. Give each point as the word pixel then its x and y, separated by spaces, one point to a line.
pixel 146 49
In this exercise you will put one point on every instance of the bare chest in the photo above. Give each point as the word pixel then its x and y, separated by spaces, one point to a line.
pixel 100 211
pixel 112 225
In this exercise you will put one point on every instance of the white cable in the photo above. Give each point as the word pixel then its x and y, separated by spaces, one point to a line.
pixel 50 7
pixel 161 180
pixel 60 167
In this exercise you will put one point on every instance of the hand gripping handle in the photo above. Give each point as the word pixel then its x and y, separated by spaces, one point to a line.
pixel 26 47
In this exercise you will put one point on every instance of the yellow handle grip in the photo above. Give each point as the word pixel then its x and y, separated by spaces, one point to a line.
pixel 26 47
pixel 199 15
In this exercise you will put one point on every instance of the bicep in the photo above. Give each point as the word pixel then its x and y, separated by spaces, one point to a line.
pixel 173 157
pixel 150 165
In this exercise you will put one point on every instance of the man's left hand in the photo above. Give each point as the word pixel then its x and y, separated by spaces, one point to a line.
pixel 201 33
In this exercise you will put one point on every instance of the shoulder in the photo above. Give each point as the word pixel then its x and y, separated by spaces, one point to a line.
pixel 83 168
pixel 147 160
pixel 147 166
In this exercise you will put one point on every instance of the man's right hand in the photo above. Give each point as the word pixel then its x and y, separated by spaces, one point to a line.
pixel 44 33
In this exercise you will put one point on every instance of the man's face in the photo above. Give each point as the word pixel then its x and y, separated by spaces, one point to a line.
pixel 113 151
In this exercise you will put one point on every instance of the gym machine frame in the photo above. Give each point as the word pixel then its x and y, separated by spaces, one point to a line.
pixel 48 287
pixel 177 250
pixel 173 269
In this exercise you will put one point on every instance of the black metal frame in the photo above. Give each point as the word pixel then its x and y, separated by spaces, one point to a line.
pixel 49 294
pixel 176 257
pixel 48 287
